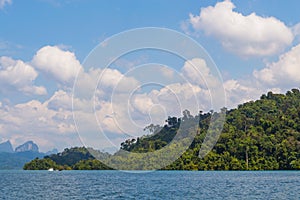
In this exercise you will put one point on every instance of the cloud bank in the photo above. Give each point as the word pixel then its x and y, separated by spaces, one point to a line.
pixel 249 35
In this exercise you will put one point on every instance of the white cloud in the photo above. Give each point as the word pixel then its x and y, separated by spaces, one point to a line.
pixel 250 35
pixel 167 72
pixel 127 114
pixel 4 3
pixel 15 74
pixel 284 72
pixel 143 103
pixel 34 120
pixel 61 65
pixel 238 91
pixel 45 117
pixel 129 110
pixel 197 72
pixel 60 100
pixel 120 106
pixel 296 29
pixel 296 32
pixel 114 79
pixel 107 117
pixel 244 90
pixel 50 123
pixel 130 63
pixel 103 83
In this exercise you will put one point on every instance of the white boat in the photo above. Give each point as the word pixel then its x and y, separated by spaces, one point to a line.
pixel 51 170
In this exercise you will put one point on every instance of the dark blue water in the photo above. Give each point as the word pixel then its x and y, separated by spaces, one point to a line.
pixel 154 185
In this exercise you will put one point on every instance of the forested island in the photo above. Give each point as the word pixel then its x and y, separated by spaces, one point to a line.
pixel 257 135
pixel 76 158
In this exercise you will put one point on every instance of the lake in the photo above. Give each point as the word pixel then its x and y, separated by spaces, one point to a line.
pixel 151 185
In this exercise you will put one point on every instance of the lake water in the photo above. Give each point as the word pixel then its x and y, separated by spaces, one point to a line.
pixel 152 185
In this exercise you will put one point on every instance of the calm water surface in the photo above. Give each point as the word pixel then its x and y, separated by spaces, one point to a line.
pixel 152 185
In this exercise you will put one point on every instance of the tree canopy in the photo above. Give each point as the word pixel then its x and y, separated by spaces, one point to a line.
pixel 257 135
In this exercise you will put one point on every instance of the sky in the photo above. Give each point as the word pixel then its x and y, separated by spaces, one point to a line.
pixel 46 46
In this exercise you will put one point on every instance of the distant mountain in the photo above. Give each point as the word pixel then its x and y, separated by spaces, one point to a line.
pixel 10 159
pixel 53 151
pixel 6 147
pixel 27 146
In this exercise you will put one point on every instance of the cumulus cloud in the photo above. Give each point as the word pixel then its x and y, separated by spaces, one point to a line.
pixel 119 107
pixel 142 103
pixel 3 3
pixel 102 83
pixel 15 74
pixel 60 100
pixel 284 72
pixel 114 79
pixel 178 97
pixel 167 72
pixel 250 35
pixel 59 64
pixel 296 29
pixel 238 91
pixel 198 73
pixel 129 114
pixel 124 107
pixel 34 120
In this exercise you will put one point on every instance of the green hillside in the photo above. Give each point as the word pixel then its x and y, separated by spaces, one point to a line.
pixel 257 135
pixel 77 158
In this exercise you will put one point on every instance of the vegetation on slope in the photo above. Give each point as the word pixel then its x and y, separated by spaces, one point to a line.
pixel 77 158
pixel 258 135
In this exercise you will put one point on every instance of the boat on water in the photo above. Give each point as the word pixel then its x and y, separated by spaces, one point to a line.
pixel 50 169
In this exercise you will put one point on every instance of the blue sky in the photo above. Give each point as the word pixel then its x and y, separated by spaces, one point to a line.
pixel 254 43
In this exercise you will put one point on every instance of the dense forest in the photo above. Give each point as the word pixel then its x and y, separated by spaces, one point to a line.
pixel 257 135
pixel 76 158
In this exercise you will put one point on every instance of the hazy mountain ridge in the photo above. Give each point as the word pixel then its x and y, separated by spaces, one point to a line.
pixel 10 159
pixel 27 146
pixel 6 147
